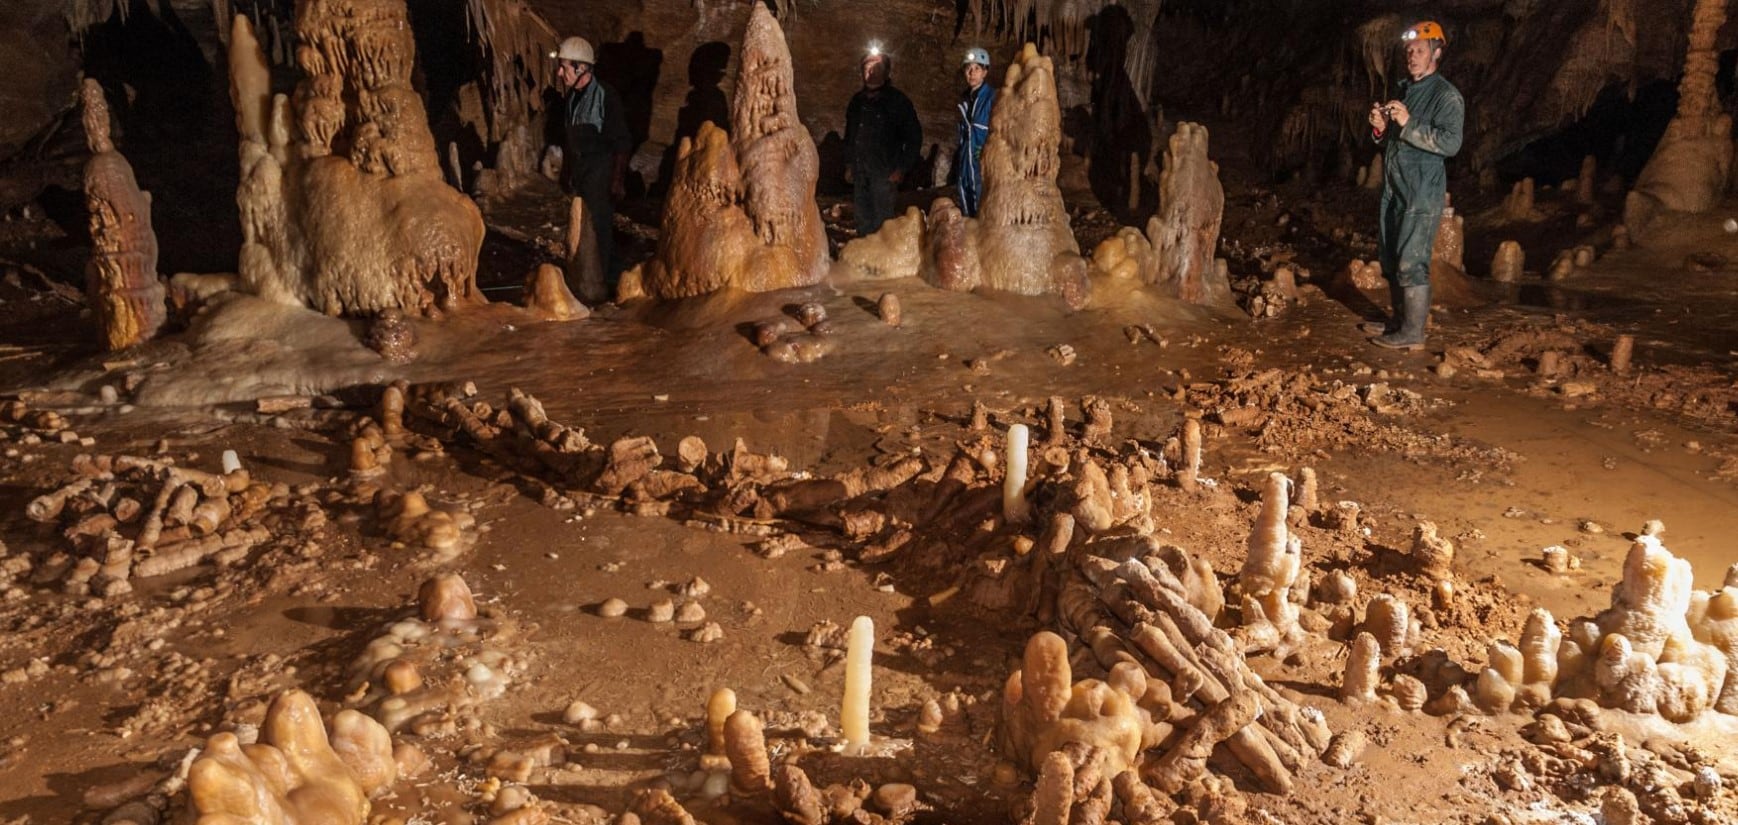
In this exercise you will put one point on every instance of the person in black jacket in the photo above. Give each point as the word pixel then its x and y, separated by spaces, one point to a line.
pixel 595 142
pixel 883 139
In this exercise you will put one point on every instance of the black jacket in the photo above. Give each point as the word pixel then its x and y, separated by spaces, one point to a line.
pixel 882 133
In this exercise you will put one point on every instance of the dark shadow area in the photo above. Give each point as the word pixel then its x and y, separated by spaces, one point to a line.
pixel 1619 133
pixel 633 67
pixel 705 102
pixel 1120 129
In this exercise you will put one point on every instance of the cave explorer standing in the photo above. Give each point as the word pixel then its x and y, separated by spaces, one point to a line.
pixel 975 105
pixel 1417 132
pixel 883 139
pixel 595 145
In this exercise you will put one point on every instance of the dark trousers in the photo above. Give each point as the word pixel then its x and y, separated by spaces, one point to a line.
pixel 874 199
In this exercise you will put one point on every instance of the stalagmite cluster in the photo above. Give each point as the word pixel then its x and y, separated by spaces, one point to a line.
pixel 1177 251
pixel 1021 242
pixel 741 212
pixel 1692 165
pixel 121 278
pixel 1660 648
pixel 343 205
pixel 296 774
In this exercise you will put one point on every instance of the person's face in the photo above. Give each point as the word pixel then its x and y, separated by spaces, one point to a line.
pixel 874 72
pixel 571 75
pixel 1421 58
pixel 975 75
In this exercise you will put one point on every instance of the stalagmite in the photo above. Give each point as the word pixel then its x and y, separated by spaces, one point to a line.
pixel 1363 670
pixel 1506 267
pixel 1621 351
pixel 1389 620
pixel 121 280
pixel 1518 206
pixel 446 598
pixel 1055 431
pixel 1024 243
pixel 1307 496
pixel 584 268
pixel 1371 176
pixel 1189 468
pixel 295 775
pixel 887 308
pixel 1014 507
pixel 344 208
pixel 1433 554
pixel 547 295
pixel 1270 570
pixel 718 709
pixel 854 712
pixel 1584 181
pixel 1185 232
pixel 1692 164
pixel 741 212
pixel 745 744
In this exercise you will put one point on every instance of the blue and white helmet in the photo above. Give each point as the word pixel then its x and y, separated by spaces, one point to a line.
pixel 978 56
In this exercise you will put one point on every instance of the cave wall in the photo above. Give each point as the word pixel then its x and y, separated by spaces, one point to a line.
pixel 38 69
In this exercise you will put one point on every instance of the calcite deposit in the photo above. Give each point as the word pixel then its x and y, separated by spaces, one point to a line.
pixel 343 205
pixel 296 774
pixel 741 212
pixel 1692 165
pixel 121 277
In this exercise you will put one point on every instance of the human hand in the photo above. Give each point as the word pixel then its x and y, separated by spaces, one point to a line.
pixel 1378 121
pixel 1397 112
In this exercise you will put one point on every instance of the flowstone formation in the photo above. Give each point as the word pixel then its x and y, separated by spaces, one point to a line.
pixel 121 278
pixel 1021 242
pixel 1177 249
pixel 741 212
pixel 1690 169
pixel 343 205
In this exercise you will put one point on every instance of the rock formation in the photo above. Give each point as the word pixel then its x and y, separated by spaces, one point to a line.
pixel 343 205
pixel 121 277
pixel 1690 169
pixel 741 212
pixel 1185 233
pixel 1025 244
pixel 1177 250
pixel 1021 242
pixel 295 775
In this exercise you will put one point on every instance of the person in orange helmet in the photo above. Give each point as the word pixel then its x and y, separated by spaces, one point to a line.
pixel 1417 131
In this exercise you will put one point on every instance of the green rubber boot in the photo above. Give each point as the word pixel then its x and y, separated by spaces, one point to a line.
pixel 1410 335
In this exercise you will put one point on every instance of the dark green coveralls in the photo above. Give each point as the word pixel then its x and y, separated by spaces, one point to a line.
pixel 1414 183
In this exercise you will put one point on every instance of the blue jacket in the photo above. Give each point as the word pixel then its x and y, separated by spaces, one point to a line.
pixel 974 132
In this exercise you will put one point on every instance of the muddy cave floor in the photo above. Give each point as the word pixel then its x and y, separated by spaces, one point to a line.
pixel 1505 463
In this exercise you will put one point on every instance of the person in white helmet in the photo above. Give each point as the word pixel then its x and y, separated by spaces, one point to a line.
pixel 883 139
pixel 595 142
pixel 975 105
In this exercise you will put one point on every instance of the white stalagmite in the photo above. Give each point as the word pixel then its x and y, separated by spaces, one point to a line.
pixel 859 652
pixel 1014 484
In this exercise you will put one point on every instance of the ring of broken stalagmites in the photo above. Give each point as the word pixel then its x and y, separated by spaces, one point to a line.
pixel 127 517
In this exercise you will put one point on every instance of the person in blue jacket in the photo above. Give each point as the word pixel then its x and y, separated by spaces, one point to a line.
pixel 975 105
pixel 1417 131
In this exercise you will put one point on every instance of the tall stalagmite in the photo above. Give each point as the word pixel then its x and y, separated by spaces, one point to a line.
pixel 1689 170
pixel 1025 244
pixel 741 212
pixel 1185 233
pixel 343 205
pixel 121 277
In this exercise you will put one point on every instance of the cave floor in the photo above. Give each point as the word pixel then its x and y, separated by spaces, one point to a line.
pixel 100 698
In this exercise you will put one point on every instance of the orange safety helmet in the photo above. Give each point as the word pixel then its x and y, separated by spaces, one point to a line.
pixel 1427 30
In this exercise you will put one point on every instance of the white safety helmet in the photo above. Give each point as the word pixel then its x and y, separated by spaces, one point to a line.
pixel 576 49
pixel 978 56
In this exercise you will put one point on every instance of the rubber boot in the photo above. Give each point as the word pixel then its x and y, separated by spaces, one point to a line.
pixel 1416 300
pixel 1396 314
